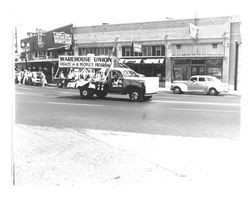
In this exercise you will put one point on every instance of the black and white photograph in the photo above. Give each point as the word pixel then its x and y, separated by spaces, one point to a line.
pixel 131 97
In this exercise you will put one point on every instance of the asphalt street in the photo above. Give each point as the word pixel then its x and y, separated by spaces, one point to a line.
pixel 166 114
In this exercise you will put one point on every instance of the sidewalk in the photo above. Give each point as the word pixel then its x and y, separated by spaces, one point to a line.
pixel 66 157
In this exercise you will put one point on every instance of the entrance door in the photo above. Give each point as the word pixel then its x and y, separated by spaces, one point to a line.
pixel 197 70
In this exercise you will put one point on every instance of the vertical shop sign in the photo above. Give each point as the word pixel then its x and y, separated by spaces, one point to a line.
pixel 40 38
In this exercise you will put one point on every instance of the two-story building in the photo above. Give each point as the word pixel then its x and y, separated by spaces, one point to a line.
pixel 172 49
pixel 40 50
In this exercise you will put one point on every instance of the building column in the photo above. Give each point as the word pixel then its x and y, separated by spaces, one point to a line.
pixel 168 66
pixel 225 69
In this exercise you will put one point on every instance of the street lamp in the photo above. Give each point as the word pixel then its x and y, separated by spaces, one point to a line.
pixel 25 47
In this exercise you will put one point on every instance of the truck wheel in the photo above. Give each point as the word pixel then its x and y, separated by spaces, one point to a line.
pixel 135 95
pixel 85 93
pixel 101 94
pixel 212 91
pixel 177 90
pixel 60 85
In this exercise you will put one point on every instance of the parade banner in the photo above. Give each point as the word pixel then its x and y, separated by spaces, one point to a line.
pixel 84 61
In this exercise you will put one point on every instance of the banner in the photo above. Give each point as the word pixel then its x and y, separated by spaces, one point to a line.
pixel 84 61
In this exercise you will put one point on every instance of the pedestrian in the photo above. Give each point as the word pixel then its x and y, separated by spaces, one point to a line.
pixel 43 79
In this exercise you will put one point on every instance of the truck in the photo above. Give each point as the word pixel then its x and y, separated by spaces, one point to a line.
pixel 103 75
pixel 205 84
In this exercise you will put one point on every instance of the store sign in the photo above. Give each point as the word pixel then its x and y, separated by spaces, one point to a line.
pixel 40 38
pixel 137 47
pixel 84 61
pixel 62 38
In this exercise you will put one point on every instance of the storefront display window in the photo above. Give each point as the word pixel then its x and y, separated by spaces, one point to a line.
pixel 214 68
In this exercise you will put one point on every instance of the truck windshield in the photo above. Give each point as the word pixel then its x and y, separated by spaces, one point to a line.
pixel 129 73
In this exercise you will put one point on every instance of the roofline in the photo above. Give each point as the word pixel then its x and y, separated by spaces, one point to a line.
pixel 134 23
pixel 49 30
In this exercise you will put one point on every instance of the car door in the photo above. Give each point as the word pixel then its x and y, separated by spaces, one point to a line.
pixel 201 84
pixel 115 81
pixel 192 84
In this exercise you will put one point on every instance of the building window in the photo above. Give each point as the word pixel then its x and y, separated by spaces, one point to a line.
pixel 178 46
pixel 127 51
pixel 158 51
pixel 215 45
pixel 198 62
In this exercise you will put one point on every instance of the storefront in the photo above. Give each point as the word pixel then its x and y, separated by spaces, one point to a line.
pixel 150 67
pixel 183 69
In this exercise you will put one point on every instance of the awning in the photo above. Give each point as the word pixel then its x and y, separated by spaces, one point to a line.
pixel 132 61
pixel 60 47
pixel 153 61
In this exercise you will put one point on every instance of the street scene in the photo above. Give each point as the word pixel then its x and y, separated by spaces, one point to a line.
pixel 61 139
pixel 150 102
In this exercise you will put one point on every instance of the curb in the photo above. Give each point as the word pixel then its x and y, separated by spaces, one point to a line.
pixel 231 93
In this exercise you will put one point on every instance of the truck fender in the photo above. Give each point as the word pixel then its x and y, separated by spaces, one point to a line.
pixel 130 87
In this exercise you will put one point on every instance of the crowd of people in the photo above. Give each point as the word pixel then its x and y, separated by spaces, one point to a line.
pixel 28 77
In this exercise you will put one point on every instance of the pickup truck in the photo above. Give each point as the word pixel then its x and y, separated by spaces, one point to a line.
pixel 101 75
pixel 199 84
pixel 120 80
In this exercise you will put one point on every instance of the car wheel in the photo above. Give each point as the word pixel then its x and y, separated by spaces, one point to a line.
pixel 212 91
pixel 135 95
pixel 85 93
pixel 177 90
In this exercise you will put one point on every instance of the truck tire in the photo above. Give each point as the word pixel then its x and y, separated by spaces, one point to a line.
pixel 85 93
pixel 101 94
pixel 135 95
pixel 212 91
pixel 177 90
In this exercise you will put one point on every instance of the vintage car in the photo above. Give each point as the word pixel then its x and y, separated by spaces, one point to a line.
pixel 199 84
pixel 36 78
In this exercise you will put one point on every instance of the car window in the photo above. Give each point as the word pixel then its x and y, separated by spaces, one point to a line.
pixel 193 79
pixel 202 79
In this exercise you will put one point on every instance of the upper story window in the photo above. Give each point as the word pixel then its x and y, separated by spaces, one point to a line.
pixel 215 45
pixel 178 46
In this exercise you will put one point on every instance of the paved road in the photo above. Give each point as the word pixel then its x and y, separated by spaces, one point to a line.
pixel 167 114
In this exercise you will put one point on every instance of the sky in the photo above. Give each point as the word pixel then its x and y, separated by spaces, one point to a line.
pixel 27 15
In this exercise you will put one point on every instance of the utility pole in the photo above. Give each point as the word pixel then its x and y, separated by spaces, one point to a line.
pixel 236 65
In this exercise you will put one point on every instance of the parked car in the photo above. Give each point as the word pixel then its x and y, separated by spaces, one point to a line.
pixel 36 78
pixel 199 84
